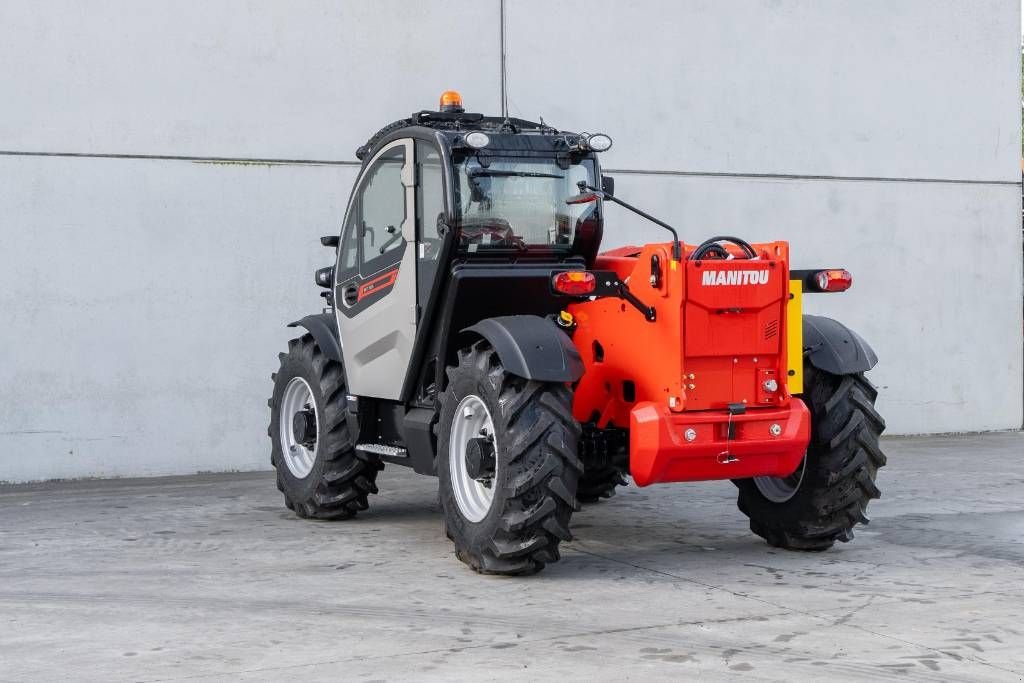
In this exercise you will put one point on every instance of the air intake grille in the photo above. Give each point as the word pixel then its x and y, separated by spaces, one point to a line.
pixel 771 329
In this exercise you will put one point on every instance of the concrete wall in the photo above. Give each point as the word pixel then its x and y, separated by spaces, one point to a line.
pixel 143 298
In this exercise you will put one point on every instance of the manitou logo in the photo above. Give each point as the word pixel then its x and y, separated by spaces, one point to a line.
pixel 713 278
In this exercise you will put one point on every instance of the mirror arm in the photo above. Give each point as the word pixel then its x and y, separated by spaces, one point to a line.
pixel 677 250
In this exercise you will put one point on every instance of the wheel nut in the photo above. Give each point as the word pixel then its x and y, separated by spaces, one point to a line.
pixel 775 429
pixel 690 434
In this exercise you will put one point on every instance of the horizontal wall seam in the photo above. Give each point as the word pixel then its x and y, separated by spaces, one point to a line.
pixel 624 171
pixel 173 157
pixel 795 176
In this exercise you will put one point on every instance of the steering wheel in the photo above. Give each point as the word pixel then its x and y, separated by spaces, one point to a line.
pixel 498 230
pixel 711 247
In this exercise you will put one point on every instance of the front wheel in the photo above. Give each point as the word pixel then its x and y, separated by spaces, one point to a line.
pixel 507 465
pixel 319 471
pixel 828 494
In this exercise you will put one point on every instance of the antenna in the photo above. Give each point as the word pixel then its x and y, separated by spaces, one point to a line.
pixel 504 82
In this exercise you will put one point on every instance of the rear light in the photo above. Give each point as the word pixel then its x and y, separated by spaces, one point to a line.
pixel 574 283
pixel 833 280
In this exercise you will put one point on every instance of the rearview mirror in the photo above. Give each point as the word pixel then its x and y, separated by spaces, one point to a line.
pixel 608 184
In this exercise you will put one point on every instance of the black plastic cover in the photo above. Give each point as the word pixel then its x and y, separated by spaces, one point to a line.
pixel 834 348
pixel 324 330
pixel 532 347
pixel 418 435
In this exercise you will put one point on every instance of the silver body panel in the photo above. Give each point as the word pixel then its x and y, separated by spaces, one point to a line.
pixel 377 343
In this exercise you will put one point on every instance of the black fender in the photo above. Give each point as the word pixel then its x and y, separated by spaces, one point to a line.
pixel 325 331
pixel 834 348
pixel 531 347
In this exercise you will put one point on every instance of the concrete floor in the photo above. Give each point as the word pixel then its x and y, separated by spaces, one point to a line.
pixel 210 577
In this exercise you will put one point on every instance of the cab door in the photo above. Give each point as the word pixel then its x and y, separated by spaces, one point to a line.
pixel 375 277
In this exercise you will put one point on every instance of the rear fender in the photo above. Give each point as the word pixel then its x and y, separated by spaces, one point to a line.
pixel 531 347
pixel 834 348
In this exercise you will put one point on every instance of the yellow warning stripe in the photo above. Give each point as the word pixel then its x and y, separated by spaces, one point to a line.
pixel 795 338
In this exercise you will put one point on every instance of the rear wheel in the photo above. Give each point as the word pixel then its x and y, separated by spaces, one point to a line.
pixel 319 471
pixel 828 494
pixel 507 465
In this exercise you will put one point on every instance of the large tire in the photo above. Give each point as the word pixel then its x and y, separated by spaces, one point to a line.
pixel 339 478
pixel 837 480
pixel 533 482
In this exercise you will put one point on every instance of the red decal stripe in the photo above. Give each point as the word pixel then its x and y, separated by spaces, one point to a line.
pixel 378 283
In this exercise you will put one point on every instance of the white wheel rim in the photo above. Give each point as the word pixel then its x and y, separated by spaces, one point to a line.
pixel 781 489
pixel 472 420
pixel 297 397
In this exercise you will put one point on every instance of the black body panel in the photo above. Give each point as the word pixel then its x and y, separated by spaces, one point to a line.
pixel 418 430
pixel 324 331
pixel 532 347
pixel 834 348
pixel 480 290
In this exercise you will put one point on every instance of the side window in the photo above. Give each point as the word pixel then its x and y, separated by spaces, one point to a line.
pixel 348 262
pixel 382 211
pixel 430 198
pixel 429 205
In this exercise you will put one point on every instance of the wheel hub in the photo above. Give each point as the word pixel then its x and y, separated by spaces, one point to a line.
pixel 297 427
pixel 480 459
pixel 304 427
pixel 472 459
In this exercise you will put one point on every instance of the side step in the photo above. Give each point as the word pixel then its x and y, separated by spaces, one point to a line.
pixel 383 449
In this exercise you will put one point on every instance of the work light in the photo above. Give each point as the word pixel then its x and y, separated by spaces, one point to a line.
pixel 599 142
pixel 477 140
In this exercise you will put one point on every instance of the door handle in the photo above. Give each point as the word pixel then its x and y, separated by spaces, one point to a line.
pixel 350 295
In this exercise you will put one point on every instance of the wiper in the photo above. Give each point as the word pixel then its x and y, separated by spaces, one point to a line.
pixel 513 174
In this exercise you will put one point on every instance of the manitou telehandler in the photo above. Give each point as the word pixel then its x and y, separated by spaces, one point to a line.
pixel 474 331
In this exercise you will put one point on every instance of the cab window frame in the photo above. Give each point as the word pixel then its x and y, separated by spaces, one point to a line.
pixel 353 234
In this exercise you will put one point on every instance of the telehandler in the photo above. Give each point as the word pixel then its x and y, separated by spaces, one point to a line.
pixel 474 331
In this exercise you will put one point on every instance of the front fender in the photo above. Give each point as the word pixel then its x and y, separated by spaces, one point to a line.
pixel 325 332
pixel 832 347
pixel 531 347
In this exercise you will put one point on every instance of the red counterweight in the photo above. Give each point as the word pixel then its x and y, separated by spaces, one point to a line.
pixel 702 387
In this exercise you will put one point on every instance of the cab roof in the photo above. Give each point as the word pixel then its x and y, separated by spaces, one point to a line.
pixel 508 133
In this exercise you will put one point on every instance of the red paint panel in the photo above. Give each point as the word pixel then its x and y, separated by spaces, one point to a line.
pixel 659 451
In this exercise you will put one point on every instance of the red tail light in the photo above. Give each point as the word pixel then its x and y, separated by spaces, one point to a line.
pixel 574 283
pixel 833 280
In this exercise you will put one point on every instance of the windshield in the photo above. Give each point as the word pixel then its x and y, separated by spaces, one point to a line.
pixel 518 202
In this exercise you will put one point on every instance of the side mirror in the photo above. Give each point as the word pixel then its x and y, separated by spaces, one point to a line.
pixel 608 184
pixel 330 240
